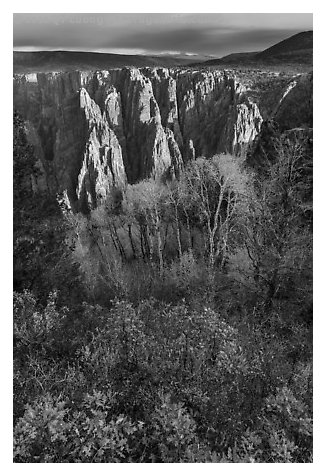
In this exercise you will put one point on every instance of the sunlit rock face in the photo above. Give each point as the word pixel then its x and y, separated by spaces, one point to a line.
pixel 102 165
pixel 95 131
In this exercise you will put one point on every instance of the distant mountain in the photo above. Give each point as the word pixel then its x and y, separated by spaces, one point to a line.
pixel 295 49
pixel 296 45
pixel 232 58
pixel 43 61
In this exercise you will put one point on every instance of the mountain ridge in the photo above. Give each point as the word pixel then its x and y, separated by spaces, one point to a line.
pixel 297 48
pixel 61 60
pixel 299 42
pixel 294 49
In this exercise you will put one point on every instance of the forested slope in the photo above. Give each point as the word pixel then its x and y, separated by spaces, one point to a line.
pixel 172 320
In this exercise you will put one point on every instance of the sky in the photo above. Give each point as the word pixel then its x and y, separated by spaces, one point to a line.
pixel 215 34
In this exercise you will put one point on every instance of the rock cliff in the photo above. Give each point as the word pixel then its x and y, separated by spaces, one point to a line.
pixel 292 118
pixel 94 131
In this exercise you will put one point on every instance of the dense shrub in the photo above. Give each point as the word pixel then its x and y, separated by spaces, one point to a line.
pixel 172 324
pixel 155 383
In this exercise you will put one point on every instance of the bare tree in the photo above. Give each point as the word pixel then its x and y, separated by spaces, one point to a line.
pixel 215 188
pixel 277 233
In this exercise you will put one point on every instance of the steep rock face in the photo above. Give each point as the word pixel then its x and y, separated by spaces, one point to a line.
pixel 247 125
pixel 215 113
pixel 79 152
pixel 147 152
pixel 102 165
pixel 95 131
pixel 165 92
pixel 295 108
pixel 51 104
pixel 291 118
pixel 39 180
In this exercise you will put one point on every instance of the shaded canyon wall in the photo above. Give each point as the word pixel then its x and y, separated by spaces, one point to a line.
pixel 94 131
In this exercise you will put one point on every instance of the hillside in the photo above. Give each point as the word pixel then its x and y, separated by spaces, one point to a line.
pixel 295 50
pixel 297 45
pixel 47 61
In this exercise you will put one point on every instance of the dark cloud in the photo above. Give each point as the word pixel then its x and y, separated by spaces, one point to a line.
pixel 211 40
pixel 181 39
pixel 60 32
pixel 215 34
pixel 244 40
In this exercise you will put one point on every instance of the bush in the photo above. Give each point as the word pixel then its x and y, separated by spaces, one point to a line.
pixel 49 432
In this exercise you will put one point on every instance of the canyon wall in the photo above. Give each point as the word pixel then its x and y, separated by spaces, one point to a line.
pixel 96 131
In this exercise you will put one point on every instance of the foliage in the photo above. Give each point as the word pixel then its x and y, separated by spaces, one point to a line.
pixel 171 324
pixel 42 258
pixel 155 383
pixel 278 236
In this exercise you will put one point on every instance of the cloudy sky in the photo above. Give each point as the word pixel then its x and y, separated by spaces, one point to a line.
pixel 215 34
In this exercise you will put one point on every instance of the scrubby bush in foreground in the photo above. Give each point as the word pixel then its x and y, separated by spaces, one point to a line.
pixel 156 383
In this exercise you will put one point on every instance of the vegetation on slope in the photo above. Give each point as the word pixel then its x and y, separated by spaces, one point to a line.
pixel 172 324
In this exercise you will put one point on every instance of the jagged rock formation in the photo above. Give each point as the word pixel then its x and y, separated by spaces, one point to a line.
pixel 102 165
pixel 291 118
pixel 296 107
pixel 95 131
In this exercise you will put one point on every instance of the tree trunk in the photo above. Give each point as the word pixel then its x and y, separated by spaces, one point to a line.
pixel 159 241
pixel 132 242
pixel 178 232
pixel 121 249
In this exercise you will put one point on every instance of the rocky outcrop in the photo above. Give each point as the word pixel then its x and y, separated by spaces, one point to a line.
pixel 95 131
pixel 295 109
pixel 292 119
pixel 102 165
pixel 165 92
pixel 215 113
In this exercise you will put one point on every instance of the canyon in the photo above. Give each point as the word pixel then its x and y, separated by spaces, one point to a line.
pixel 93 132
